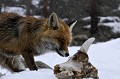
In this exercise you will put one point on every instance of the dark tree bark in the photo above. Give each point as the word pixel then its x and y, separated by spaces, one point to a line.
pixel 94 18
pixel 45 8
pixel 0 6
pixel 28 7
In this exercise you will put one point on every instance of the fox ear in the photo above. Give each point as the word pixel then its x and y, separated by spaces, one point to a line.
pixel 53 21
pixel 72 24
pixel 84 48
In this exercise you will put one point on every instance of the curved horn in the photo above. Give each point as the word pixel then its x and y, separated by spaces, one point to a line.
pixel 84 48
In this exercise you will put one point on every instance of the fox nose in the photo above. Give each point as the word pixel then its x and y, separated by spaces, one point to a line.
pixel 67 54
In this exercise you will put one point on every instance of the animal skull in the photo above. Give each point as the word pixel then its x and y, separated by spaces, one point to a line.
pixel 78 66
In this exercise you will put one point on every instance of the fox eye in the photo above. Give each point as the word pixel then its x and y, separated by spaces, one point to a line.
pixel 35 29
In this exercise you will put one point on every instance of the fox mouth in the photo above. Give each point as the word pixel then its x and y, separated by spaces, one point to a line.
pixel 62 53
pixel 58 51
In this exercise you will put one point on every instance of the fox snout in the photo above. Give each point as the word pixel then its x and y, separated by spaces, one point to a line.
pixel 62 53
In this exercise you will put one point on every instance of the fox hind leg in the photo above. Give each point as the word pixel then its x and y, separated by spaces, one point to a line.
pixel 14 64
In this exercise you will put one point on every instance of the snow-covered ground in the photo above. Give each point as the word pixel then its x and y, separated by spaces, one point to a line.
pixel 18 10
pixel 104 56
pixel 114 24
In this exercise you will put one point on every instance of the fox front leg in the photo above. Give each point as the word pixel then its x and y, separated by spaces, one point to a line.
pixel 29 59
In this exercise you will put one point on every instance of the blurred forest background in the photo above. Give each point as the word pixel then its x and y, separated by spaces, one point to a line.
pixel 98 18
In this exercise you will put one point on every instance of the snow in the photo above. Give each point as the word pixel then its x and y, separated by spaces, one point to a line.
pixel 86 18
pixel 41 74
pixel 118 7
pixel 114 24
pixel 110 18
pixel 102 19
pixel 18 10
pixel 104 56
pixel 38 16
pixel 35 2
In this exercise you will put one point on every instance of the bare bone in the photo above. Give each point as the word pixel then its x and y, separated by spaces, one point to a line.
pixel 78 66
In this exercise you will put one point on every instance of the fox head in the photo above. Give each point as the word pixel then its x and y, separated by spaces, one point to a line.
pixel 57 35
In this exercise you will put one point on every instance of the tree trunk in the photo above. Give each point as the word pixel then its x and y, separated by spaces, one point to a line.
pixel 28 7
pixel 45 9
pixel 94 18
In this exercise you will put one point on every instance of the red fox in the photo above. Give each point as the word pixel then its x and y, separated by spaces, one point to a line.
pixel 27 36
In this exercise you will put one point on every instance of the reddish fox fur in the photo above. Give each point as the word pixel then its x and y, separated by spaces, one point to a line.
pixel 27 36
